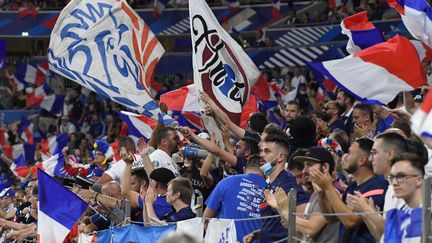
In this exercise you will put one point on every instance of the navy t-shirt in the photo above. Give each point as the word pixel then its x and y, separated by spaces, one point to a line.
pixel 160 206
pixel 374 188
pixel 238 197
pixel 182 214
pixel 272 229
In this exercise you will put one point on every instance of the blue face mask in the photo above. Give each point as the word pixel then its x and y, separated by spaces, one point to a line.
pixel 268 167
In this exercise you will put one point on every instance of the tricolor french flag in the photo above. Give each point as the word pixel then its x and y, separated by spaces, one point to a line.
pixel 53 103
pixel 54 165
pixel 44 68
pixel 20 84
pixel 182 99
pixel 158 7
pixel 275 11
pixel 250 107
pixel 25 130
pixel 19 167
pixel 28 150
pixel 421 121
pixel 138 125
pixel 29 74
pixel 361 33
pixel 47 147
pixel 58 211
pixel 417 17
pixel 35 96
pixel 189 119
pixel 377 74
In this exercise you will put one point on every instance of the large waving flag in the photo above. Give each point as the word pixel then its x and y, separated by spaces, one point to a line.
pixel 182 99
pixel 106 47
pixel 25 130
pixel 138 125
pixel 47 147
pixel 221 68
pixel 27 73
pixel 385 69
pixel 53 103
pixel 59 209
pixel 361 33
pixel 421 121
pixel 417 17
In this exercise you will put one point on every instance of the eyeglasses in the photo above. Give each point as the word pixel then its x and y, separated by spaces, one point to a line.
pixel 400 178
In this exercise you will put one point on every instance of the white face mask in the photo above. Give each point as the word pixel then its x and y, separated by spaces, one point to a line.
pixel 268 167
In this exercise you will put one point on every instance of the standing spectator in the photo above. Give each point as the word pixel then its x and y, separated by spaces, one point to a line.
pixel 292 18
pixel 292 111
pixel 179 195
pixel 167 144
pixel 277 78
pixel 238 197
pixel 298 78
pixel 274 150
pixel 346 101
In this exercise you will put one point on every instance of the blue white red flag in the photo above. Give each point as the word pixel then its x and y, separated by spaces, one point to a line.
pixel 19 167
pixel 361 33
pixel 421 121
pixel 106 47
pixel 28 150
pixel 25 130
pixel 275 12
pixel 182 99
pixel 417 17
pixel 54 165
pixel 53 103
pixel 44 68
pixel 26 73
pixel 138 125
pixel 58 211
pixel 47 147
pixel 35 96
pixel 158 7
pixel 3 54
pixel 221 68
pixel 189 119
pixel 386 69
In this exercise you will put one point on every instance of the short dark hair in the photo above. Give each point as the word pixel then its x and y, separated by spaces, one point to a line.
pixel 141 174
pixel 366 108
pixel 254 161
pixel 414 160
pixel 294 102
pixel 128 143
pixel 280 138
pixel 415 146
pixel 402 125
pixel 258 121
pixel 393 141
pixel 347 96
pixel 365 144
pixel 251 144
pixel 162 133
pixel 184 186
pixel 342 138
pixel 271 127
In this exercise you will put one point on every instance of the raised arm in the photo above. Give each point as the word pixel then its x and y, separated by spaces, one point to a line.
pixel 132 196
pixel 143 150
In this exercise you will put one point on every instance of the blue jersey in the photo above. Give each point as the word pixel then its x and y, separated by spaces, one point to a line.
pixel 160 206
pixel 272 229
pixel 237 197
pixel 374 188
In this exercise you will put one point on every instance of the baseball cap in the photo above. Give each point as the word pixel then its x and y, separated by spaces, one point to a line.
pixel 319 155
pixel 163 175
pixel 7 192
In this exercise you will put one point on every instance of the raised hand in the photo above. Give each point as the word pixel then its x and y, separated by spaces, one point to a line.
pixel 185 131
pixel 143 147
pixel 126 157
pixel 271 199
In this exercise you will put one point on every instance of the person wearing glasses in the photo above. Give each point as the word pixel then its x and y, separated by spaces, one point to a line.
pixel 403 224
pixel 329 120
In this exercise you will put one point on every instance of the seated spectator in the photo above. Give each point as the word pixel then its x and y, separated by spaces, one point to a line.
pixel 363 121
pixel 178 195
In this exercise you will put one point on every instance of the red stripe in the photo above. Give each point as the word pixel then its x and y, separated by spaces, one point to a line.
pixel 175 99
pixel 375 192
pixel 426 106
pixel 263 205
pixel 405 62
pixel 131 15
pixel 149 72
pixel 358 22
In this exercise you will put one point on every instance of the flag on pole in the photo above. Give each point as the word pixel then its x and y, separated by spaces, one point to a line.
pixel 361 33
pixel 221 68
pixel 27 73
pixel 55 164
pixel 182 99
pixel 53 103
pixel 35 96
pixel 417 17
pixel 47 147
pixel 107 48
pixel 158 7
pixel 385 69
pixel 58 210
pixel 19 167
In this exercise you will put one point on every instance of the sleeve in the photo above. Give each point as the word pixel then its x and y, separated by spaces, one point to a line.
pixel 214 201
pixel 115 171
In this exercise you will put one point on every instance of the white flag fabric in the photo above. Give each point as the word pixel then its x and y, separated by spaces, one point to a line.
pixel 194 227
pixel 221 230
pixel 106 47
pixel 221 68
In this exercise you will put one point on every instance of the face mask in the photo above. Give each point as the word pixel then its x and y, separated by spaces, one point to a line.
pixel 268 167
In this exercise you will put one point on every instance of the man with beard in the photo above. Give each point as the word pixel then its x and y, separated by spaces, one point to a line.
pixel 346 101
pixel 330 119
pixel 167 141
pixel 372 187
pixel 292 111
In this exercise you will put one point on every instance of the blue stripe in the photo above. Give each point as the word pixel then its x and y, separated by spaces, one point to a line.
pixel 57 202
pixel 57 106
pixel 131 128
pixel 5 22
pixel 318 66
pixel 62 141
pixel 366 38
pixel 419 5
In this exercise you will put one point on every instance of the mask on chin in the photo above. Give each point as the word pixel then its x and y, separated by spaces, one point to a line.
pixel 268 167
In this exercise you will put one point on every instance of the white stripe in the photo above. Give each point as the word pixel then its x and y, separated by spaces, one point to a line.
pixel 320 30
pixel 418 24
pixel 292 57
pixel 275 61
pixel 280 43
pixel 316 50
pixel 285 60
pixel 356 75
pixel 49 230
pixel 301 55
pixel 268 64
pixel 48 102
pixel 312 32
pixel 50 164
pixel 307 52
pixel 285 40
pixel 141 126
pixel 307 34
pixel 299 38
pixel 294 40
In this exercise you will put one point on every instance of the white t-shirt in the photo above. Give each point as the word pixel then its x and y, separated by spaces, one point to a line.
pixel 295 81
pixel 116 170
pixel 161 159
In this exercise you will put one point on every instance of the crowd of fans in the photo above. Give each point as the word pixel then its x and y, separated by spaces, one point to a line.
pixel 359 161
